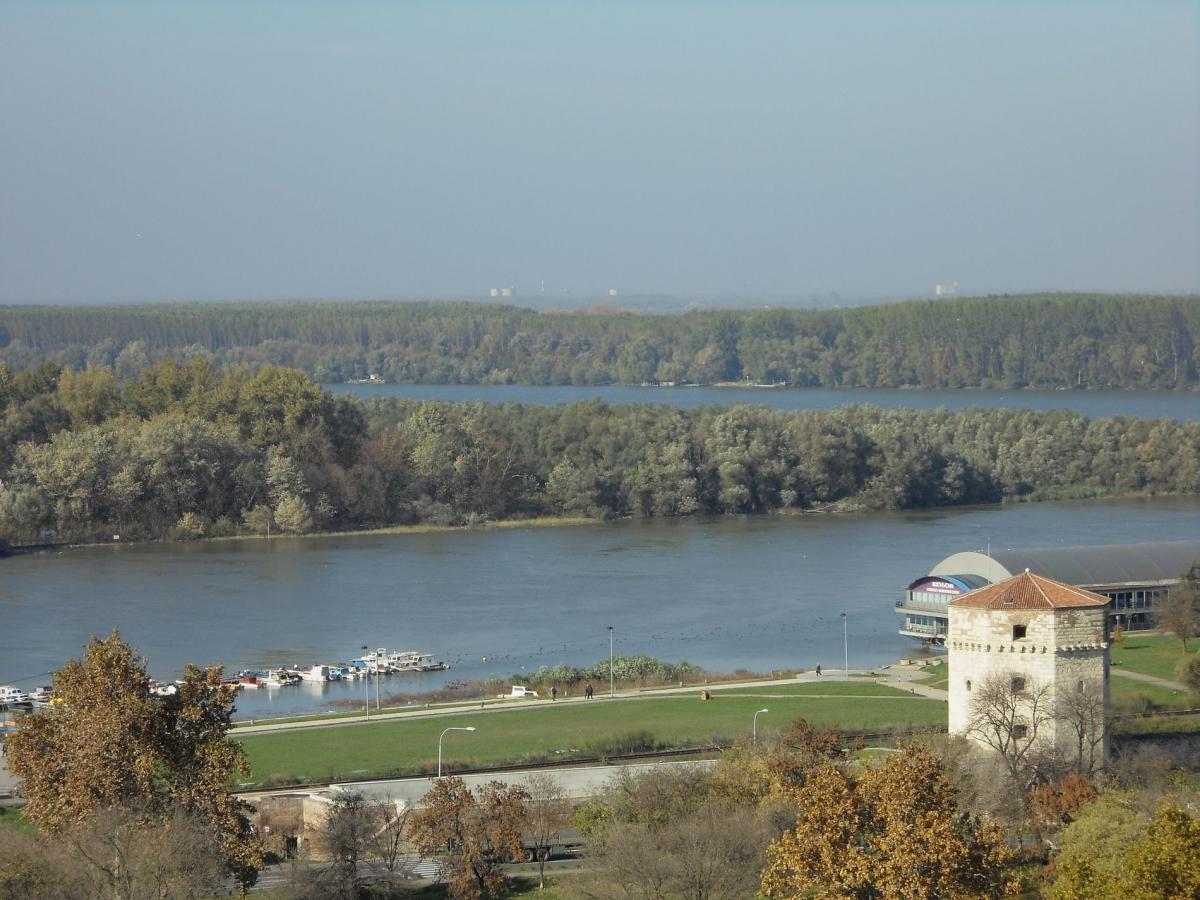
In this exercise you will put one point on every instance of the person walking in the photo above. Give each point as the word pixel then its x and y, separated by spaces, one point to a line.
pixel 818 668
pixel 553 694
pixel 587 692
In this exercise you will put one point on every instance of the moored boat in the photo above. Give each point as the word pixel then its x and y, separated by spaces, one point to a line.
pixel 12 694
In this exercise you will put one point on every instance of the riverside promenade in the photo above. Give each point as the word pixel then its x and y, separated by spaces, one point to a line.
pixel 901 677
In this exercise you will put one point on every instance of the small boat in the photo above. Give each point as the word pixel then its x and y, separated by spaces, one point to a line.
pixel 429 663
pixel 43 696
pixel 312 673
pixel 376 661
pixel 11 694
pixel 279 678
pixel 163 690
pixel 405 661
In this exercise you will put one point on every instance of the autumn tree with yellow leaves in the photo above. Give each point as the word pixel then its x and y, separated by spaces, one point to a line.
pixel 887 832
pixel 110 744
pixel 480 831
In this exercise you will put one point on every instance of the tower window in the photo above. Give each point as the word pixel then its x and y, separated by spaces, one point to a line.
pixel 1018 632
pixel 1018 685
pixel 1020 732
pixel 968 684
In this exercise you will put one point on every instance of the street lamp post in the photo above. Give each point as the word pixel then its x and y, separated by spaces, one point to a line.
pixel 845 648
pixel 443 734
pixel 754 726
pixel 611 692
pixel 366 688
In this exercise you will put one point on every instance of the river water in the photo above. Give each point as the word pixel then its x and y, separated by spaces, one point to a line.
pixel 724 592
pixel 1182 405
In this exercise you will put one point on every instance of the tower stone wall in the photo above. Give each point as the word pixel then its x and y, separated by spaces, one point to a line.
pixel 1063 648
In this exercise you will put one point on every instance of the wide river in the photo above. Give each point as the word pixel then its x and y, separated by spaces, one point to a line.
pixel 732 592
pixel 1183 405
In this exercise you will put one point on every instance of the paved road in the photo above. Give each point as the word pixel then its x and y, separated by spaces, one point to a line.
pixel 577 782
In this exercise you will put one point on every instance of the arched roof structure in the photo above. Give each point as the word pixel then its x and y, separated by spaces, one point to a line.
pixel 1103 564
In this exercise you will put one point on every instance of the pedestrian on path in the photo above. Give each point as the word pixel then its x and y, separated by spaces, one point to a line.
pixel 818 668
pixel 587 692
pixel 553 694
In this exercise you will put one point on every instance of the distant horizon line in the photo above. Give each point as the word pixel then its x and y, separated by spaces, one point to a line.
pixel 824 299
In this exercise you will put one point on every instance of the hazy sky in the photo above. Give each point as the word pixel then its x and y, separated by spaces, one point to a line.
pixel 212 150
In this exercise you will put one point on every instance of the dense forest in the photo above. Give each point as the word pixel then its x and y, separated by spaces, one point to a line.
pixel 1042 341
pixel 186 450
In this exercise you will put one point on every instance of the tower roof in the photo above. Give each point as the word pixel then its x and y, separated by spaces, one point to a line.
pixel 1029 591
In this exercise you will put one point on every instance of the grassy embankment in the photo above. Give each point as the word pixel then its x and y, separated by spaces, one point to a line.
pixel 1152 654
pixel 545 731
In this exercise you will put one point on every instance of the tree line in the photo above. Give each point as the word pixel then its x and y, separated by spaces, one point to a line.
pixel 1042 340
pixel 187 450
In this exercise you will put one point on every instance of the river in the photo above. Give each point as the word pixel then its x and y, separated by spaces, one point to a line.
pixel 724 592
pixel 1182 405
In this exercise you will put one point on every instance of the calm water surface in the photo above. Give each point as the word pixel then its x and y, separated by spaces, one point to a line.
pixel 753 592
pixel 1147 404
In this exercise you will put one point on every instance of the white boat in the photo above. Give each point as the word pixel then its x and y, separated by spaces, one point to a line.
pixel 376 661
pixel 279 678
pixel 405 661
pixel 163 690
pixel 11 694
pixel 42 696
pixel 313 673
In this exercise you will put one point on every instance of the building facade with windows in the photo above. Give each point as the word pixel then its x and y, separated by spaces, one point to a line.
pixel 1028 662
pixel 1135 578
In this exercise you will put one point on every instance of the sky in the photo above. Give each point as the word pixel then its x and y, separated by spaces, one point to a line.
pixel 249 150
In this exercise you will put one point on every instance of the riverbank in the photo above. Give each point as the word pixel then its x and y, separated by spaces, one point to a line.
pixel 423 528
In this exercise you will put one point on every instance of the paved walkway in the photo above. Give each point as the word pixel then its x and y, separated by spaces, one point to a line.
pixel 8 781
pixel 1148 679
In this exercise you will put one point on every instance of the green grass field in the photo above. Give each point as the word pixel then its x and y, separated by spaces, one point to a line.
pixel 937 675
pixel 831 686
pixel 1127 695
pixel 546 731
pixel 14 820
pixel 1152 654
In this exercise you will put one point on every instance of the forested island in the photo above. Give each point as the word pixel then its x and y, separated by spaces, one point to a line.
pixel 1070 341
pixel 191 450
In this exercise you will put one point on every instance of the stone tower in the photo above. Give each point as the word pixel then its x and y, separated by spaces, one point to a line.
pixel 1028 661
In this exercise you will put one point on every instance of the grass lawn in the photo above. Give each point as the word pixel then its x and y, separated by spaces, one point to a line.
pixel 1128 695
pixel 1152 654
pixel 937 675
pixel 836 687
pixel 552 732
pixel 14 820
pixel 1159 725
